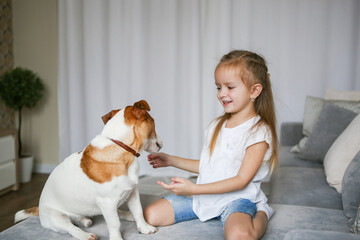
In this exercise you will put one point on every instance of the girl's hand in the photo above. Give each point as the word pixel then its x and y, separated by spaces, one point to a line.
pixel 179 186
pixel 159 160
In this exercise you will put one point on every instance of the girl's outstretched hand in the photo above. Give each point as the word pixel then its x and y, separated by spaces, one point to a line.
pixel 159 160
pixel 179 186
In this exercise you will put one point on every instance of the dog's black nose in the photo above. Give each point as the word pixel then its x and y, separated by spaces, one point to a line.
pixel 159 145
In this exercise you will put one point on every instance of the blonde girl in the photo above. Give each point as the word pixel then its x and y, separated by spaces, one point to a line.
pixel 240 150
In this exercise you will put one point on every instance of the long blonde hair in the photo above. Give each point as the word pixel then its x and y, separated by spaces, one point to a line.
pixel 252 70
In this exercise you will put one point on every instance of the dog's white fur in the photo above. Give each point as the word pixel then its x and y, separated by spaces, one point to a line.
pixel 70 195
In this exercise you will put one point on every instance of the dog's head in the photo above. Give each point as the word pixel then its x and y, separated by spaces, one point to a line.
pixel 133 122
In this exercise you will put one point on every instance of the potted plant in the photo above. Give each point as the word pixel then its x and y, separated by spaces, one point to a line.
pixel 21 88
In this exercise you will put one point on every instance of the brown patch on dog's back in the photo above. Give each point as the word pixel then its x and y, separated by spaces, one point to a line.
pixel 101 165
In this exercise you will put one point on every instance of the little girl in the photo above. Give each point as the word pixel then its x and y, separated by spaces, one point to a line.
pixel 240 150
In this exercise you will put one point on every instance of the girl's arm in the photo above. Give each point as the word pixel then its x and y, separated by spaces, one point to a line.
pixel 252 161
pixel 164 160
pixel 186 164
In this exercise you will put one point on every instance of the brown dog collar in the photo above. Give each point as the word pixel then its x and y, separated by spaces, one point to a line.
pixel 126 147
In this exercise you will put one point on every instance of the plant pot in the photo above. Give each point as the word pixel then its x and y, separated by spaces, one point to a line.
pixel 26 166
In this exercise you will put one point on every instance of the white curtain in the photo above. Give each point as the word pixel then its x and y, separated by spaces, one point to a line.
pixel 115 52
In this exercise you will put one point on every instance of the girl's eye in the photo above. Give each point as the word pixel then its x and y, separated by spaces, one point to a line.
pixel 218 88
pixel 231 87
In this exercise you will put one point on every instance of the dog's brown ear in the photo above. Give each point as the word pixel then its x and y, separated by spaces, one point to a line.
pixel 140 108
pixel 142 104
pixel 108 116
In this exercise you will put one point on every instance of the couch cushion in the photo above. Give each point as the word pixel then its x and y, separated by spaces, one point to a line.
pixel 289 159
pixel 291 217
pixel 31 229
pixel 351 188
pixel 340 154
pixel 319 235
pixel 331 123
pixel 333 94
pixel 290 133
pixel 304 187
pixel 286 218
pixel 313 107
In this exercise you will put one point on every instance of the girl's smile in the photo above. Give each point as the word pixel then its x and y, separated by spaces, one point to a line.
pixel 226 103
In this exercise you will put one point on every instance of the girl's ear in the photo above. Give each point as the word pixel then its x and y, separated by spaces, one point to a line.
pixel 256 90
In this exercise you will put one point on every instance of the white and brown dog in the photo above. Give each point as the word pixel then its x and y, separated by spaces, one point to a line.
pixel 101 178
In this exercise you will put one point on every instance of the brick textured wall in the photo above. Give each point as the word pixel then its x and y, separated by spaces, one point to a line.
pixel 7 116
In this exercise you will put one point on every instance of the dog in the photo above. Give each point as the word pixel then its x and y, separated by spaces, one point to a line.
pixel 100 178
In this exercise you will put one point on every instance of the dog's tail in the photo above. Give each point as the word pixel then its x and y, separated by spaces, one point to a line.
pixel 26 213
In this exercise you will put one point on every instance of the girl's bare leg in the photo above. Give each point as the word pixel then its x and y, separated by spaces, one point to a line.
pixel 159 213
pixel 241 226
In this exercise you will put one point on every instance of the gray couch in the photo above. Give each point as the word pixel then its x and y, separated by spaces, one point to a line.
pixel 306 207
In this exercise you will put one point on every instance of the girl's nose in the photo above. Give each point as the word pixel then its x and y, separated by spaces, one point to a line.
pixel 222 92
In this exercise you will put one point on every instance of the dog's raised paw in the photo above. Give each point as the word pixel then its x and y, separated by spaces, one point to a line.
pixel 147 229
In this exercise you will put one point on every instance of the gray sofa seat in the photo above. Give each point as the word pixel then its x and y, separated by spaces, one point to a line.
pixel 291 217
pixel 297 181
pixel 306 207
pixel 31 229
pixel 288 159
pixel 285 219
pixel 319 235
pixel 303 187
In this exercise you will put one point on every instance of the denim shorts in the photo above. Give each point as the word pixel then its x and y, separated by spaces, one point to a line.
pixel 183 208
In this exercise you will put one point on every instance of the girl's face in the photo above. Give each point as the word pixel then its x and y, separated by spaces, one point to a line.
pixel 232 93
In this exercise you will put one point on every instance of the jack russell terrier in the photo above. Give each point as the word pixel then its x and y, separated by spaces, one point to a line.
pixel 100 178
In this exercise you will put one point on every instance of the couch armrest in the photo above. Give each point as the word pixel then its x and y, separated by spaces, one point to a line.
pixel 290 133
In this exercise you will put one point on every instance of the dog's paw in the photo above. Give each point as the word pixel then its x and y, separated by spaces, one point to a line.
pixel 86 222
pixel 115 238
pixel 88 236
pixel 92 237
pixel 147 229
pixel 126 215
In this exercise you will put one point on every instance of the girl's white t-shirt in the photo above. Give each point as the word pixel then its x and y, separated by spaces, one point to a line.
pixel 225 163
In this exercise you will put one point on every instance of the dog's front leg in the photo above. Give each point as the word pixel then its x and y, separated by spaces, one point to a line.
pixel 137 212
pixel 108 208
